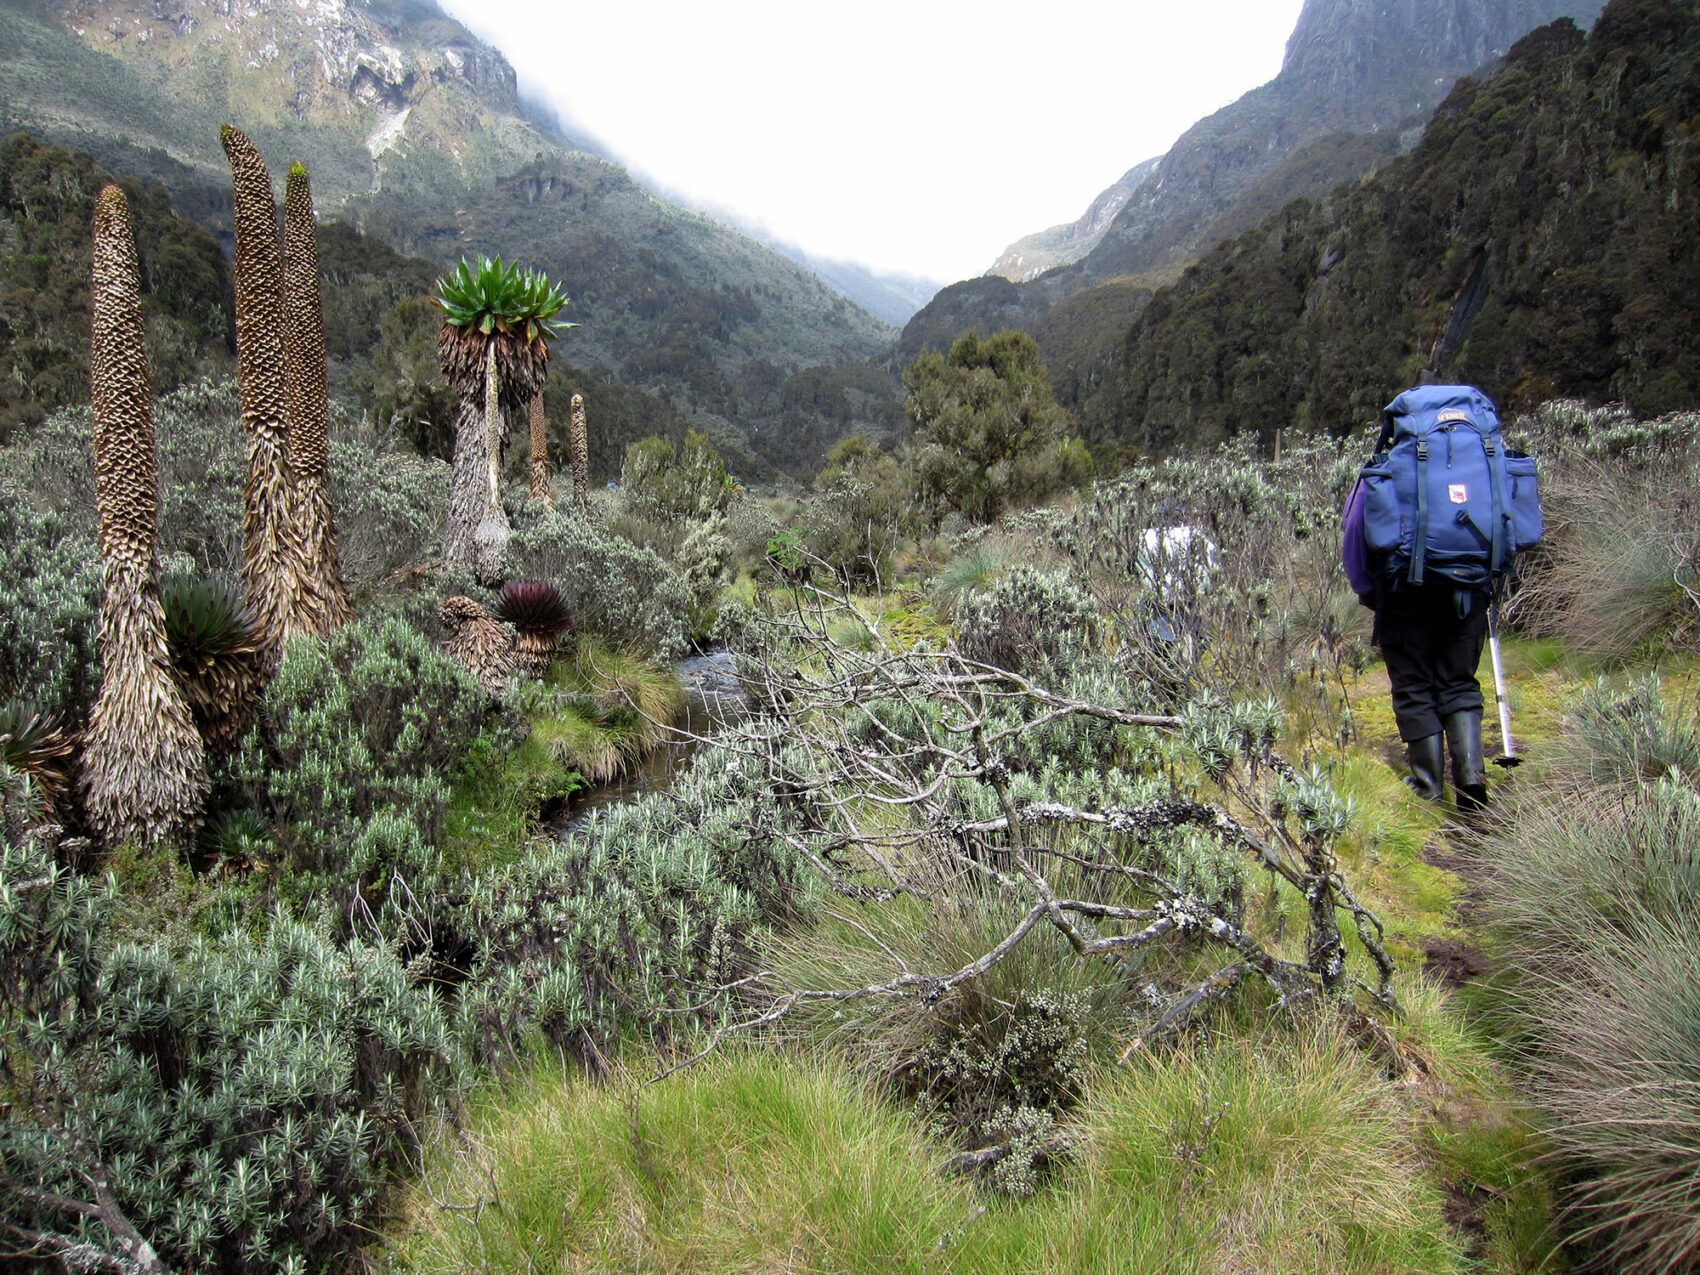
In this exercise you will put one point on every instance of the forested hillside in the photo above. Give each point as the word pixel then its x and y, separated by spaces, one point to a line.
pixel 1538 241
pixel 46 201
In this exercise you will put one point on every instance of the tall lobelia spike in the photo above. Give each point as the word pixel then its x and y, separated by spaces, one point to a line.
pixel 578 444
pixel 321 604
pixel 540 489
pixel 272 557
pixel 144 766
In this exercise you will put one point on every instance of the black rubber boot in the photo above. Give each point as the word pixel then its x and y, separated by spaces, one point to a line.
pixel 1469 775
pixel 1423 757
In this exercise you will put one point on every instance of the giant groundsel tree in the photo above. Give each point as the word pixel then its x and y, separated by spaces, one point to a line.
pixel 497 321
pixel 144 768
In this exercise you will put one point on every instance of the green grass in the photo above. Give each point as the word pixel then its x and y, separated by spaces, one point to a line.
pixel 1382 853
pixel 1287 1154
pixel 751 1162
pixel 1478 1135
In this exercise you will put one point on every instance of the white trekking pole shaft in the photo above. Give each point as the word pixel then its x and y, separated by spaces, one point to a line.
pixel 1510 757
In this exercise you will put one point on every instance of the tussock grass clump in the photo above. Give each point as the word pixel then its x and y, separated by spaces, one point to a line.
pixel 1590 907
pixel 1630 734
pixel 602 709
pixel 973 569
pixel 749 1162
pixel 623 679
pixel 598 713
pixel 1619 573
pixel 1289 1155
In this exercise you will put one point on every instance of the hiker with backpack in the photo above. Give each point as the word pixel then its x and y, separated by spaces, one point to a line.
pixel 1431 531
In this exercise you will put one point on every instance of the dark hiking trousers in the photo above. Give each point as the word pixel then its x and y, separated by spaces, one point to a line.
pixel 1431 656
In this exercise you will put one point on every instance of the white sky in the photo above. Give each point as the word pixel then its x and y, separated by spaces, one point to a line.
pixel 917 136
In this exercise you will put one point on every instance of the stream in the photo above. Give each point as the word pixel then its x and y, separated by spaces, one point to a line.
pixel 714 697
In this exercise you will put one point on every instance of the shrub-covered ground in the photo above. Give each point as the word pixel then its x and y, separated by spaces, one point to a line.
pixel 1057 905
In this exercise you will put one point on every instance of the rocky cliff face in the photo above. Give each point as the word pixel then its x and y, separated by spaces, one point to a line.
pixel 1359 66
pixel 1030 257
pixel 362 85
pixel 1362 66
pixel 1366 65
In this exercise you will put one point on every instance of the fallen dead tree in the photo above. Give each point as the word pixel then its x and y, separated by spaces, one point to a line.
pixel 910 768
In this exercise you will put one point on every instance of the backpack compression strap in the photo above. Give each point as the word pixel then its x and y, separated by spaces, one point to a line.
pixel 1501 551
pixel 1419 545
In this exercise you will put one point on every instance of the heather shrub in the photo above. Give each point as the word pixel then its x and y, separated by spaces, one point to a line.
pixel 203 463
pixel 244 1099
pixel 987 432
pixel 862 507
pixel 1561 428
pixel 672 485
pixel 389 513
pixel 750 524
pixel 614 588
pixel 50 595
pixel 678 502
pixel 631 921
pixel 388 503
pixel 355 754
pixel 1030 619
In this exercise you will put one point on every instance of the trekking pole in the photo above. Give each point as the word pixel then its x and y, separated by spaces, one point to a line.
pixel 1510 757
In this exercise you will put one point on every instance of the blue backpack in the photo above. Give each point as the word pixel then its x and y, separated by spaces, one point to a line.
pixel 1442 497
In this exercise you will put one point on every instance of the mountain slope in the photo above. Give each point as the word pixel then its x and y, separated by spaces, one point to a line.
pixel 413 129
pixel 1368 67
pixel 1539 240
pixel 1364 66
